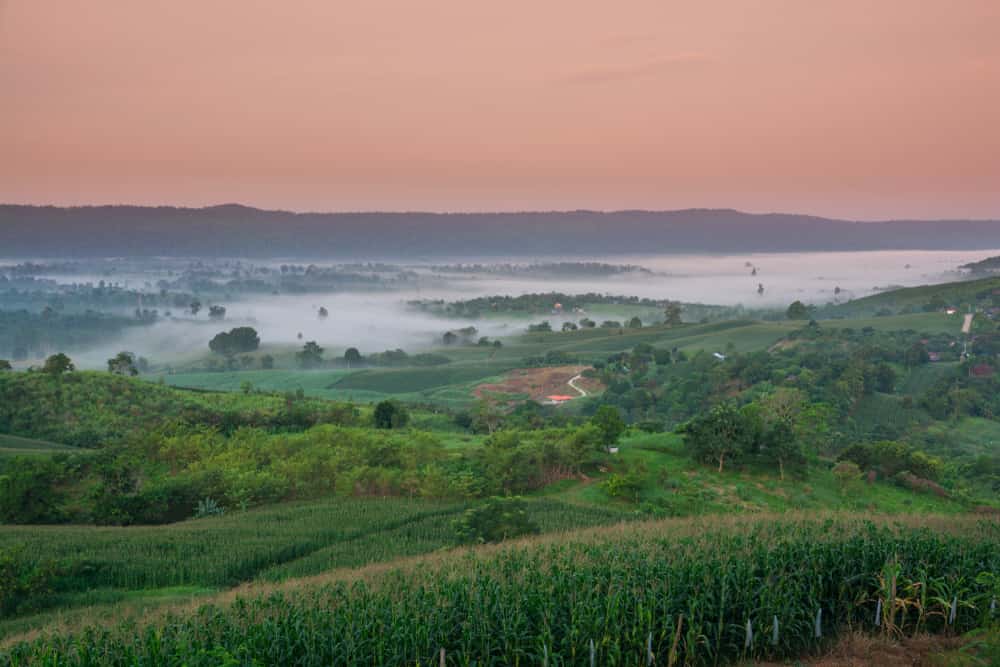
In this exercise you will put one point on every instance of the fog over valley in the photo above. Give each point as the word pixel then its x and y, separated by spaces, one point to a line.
pixel 369 305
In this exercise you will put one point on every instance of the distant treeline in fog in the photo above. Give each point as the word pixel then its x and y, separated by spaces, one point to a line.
pixel 233 230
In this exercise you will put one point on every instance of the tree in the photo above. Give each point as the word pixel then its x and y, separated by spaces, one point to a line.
pixel 195 307
pixel 267 362
pixel 672 314
pixel 123 363
pixel 236 341
pixel 5 365
pixel 609 421
pixel 58 364
pixel 323 313
pixel 587 323
pixel 486 417
pixel 390 414
pixel 449 338
pixel 634 323
pixel 569 326
pixel 720 434
pixel 499 519
pixel 217 312
pixel 352 356
pixel 797 311
pixel 311 355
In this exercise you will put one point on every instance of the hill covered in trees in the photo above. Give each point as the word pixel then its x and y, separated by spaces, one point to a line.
pixel 234 230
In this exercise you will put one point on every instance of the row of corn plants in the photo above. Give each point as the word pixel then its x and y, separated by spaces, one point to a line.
pixel 274 544
pixel 630 597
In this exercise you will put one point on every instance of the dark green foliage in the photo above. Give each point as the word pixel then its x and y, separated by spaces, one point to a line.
pixel 57 364
pixel 123 363
pixel 891 458
pixel 390 414
pixel 353 357
pixel 28 493
pixel 610 424
pixel 723 434
pixel 797 311
pixel 236 341
pixel 497 520
pixel 311 355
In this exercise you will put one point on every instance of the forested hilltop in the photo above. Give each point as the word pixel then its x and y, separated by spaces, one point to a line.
pixel 234 230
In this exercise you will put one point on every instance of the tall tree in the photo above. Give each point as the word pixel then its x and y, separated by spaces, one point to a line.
pixel 353 357
pixel 311 355
pixel 58 364
pixel 610 422
pixel 672 314
pixel 123 363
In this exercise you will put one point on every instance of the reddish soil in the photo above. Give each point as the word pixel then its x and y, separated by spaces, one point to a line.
pixel 538 383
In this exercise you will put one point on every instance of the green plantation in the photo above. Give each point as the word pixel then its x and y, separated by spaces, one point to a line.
pixel 688 593
pixel 74 567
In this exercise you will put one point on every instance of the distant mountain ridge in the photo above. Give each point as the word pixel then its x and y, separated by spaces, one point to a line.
pixel 234 230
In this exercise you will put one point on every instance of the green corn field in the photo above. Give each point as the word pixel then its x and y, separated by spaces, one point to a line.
pixel 643 594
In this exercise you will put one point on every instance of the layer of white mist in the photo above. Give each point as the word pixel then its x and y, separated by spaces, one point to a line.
pixel 380 320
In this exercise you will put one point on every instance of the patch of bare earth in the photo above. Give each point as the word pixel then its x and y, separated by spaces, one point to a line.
pixel 539 383
pixel 859 650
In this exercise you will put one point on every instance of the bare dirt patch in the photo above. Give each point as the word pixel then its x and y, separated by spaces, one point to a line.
pixel 857 650
pixel 539 383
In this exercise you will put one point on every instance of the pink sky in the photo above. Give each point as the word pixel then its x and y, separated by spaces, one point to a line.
pixel 862 109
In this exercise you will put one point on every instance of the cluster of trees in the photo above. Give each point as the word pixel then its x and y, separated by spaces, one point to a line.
pixel 463 336
pixel 836 367
pixel 773 430
pixel 240 340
